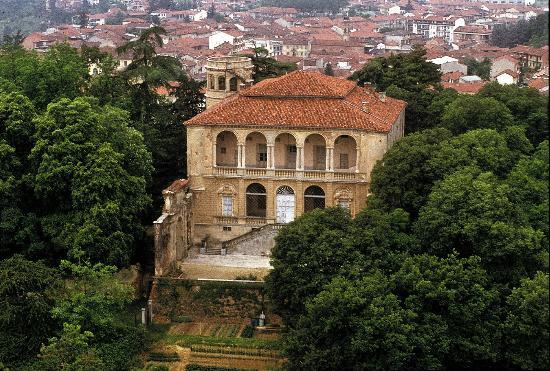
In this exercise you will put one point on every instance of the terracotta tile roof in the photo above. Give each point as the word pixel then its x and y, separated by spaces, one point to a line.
pixel 538 83
pixel 305 100
pixel 176 186
pixel 465 88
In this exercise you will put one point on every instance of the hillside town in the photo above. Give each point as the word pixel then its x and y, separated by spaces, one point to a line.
pixel 454 33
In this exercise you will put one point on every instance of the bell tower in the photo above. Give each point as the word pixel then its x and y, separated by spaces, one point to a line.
pixel 226 76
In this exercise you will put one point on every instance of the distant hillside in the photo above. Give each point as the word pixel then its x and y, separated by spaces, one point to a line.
pixel 23 15
pixel 533 32
pixel 308 5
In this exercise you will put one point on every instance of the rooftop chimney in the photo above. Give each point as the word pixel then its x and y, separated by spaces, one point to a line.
pixel 382 96
pixel 364 106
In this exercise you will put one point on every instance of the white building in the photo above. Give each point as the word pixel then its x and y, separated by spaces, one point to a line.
pixel 436 26
pixel 217 38
pixel 448 64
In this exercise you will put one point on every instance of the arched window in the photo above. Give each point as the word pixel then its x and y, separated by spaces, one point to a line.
pixel 211 82
pixel 285 203
pixel 226 149
pixel 345 153
pixel 256 200
pixel 233 83
pixel 221 83
pixel 315 152
pixel 285 151
pixel 314 198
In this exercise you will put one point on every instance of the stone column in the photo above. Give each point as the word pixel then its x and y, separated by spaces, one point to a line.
pixel 329 161
pixel 270 156
pixel 357 157
pixel 239 155
pixel 299 158
pixel 243 155
pixel 214 159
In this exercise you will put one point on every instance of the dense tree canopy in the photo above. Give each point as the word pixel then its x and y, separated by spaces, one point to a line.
pixel 266 67
pixel 83 150
pixel 27 296
pixel 447 267
pixel 309 5
pixel 534 32
pixel 405 76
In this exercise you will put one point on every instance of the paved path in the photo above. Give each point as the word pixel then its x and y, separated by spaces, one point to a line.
pixel 225 267
pixel 237 261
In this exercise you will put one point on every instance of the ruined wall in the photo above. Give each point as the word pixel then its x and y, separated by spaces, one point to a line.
pixel 174 228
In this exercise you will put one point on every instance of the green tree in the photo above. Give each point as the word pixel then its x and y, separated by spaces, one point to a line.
pixel 456 325
pixel 329 71
pixel 469 112
pixel 529 182
pixel 403 179
pixel 485 149
pixel 266 67
pixel 18 227
pixel 481 69
pixel 471 212
pixel 70 351
pixel 408 77
pixel 526 324
pixel 534 30
pixel 90 171
pixel 147 72
pixel 27 291
pixel 528 106
pixel 430 313
pixel 352 325
pixel 308 253
pixel 60 73
pixel 409 71
pixel 92 296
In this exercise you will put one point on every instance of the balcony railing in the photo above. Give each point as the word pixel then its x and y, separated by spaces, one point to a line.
pixel 226 220
pixel 338 174
pixel 221 170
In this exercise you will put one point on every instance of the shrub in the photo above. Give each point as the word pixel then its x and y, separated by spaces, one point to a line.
pixel 248 332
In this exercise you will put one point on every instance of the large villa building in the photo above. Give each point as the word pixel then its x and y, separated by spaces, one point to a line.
pixel 261 155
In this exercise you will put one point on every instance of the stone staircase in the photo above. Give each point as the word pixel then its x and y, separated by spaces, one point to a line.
pixel 259 241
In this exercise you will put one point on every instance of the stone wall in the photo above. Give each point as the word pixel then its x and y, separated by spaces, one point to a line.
pixel 174 228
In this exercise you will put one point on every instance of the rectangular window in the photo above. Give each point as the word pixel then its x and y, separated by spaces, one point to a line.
pixel 227 229
pixel 227 205
pixel 344 161
pixel 344 204
pixel 291 148
pixel 320 156
pixel 262 153
pixel 223 150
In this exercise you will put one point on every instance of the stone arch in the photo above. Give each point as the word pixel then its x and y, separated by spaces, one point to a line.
pixel 314 198
pixel 256 200
pixel 226 149
pixel 345 153
pixel 233 84
pixel 227 189
pixel 315 152
pixel 221 83
pixel 285 151
pixel 256 150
